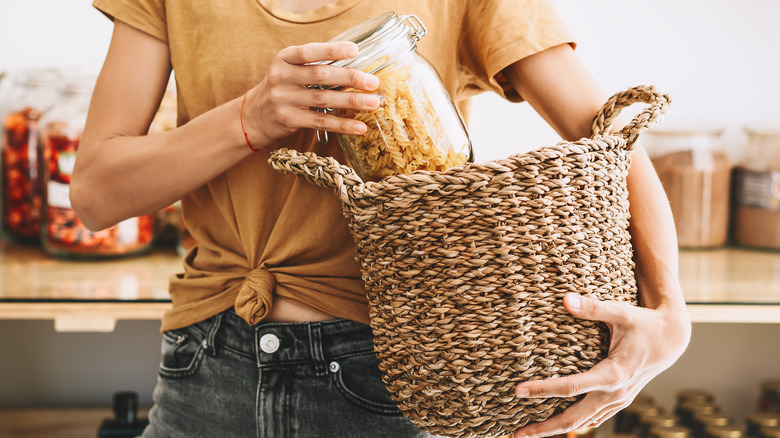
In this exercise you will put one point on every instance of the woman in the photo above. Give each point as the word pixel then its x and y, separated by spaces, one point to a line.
pixel 267 332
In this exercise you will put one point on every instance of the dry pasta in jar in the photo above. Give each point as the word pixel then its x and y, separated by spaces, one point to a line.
pixel 417 126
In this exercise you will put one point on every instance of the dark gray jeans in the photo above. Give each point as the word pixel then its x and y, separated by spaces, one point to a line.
pixel 224 378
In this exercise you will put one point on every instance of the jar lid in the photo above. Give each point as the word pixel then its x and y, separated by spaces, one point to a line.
pixel 660 419
pixel 80 83
pixel 772 385
pixel 360 33
pixel 770 432
pixel 694 395
pixel 764 418
pixel 670 432
pixel 713 419
pixel 699 407
pixel 381 41
pixel 40 77
pixel 728 431
pixel 643 399
pixel 762 130
pixel 643 409
pixel 687 130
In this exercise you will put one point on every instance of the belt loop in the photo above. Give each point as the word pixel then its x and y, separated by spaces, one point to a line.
pixel 315 348
pixel 209 343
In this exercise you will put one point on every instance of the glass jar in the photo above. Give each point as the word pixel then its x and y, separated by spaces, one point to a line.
pixel 690 409
pixel 647 422
pixel 756 201
pixel 692 395
pixel 628 420
pixel 769 397
pixel 35 93
pixel 696 175
pixel 670 432
pixel 62 233
pixel 757 421
pixel 702 421
pixel 769 432
pixel 728 431
pixel 417 126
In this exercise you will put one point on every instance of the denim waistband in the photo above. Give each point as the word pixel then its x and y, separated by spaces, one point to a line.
pixel 279 343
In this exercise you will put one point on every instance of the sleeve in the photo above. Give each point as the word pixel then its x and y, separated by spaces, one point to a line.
pixel 497 33
pixel 148 16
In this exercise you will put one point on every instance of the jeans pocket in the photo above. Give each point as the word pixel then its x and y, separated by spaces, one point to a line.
pixel 358 379
pixel 182 353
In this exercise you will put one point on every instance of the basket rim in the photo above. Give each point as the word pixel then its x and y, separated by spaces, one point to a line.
pixel 471 173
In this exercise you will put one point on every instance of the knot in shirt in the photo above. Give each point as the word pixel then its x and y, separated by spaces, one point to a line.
pixel 255 295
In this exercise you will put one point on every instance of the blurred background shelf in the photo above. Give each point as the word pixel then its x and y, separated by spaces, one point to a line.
pixel 728 285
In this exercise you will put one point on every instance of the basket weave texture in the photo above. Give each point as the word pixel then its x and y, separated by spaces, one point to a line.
pixel 466 270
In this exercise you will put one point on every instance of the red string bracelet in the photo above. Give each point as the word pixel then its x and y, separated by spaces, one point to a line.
pixel 241 117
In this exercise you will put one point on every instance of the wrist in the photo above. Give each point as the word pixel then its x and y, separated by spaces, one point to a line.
pixel 243 126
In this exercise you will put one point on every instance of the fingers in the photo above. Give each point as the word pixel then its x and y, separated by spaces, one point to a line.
pixel 295 67
pixel 588 412
pixel 604 375
pixel 330 123
pixel 316 52
pixel 614 313
pixel 328 75
pixel 292 86
pixel 319 98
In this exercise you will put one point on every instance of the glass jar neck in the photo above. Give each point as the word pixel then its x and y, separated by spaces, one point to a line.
pixel 382 41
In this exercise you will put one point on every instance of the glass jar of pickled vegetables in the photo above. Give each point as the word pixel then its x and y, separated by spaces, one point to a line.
pixel 417 126
pixel 34 93
pixel 62 233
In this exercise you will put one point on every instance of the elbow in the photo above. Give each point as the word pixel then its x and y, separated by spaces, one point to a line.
pixel 85 203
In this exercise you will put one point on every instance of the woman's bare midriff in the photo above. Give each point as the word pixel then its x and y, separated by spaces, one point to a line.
pixel 285 310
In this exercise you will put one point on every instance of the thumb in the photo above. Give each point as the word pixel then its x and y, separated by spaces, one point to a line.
pixel 590 308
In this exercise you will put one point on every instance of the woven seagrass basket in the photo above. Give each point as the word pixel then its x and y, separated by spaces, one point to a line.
pixel 466 270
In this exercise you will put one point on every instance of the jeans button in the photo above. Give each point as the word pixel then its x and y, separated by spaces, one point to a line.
pixel 269 343
pixel 333 367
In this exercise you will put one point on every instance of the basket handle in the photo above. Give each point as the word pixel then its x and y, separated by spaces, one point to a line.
pixel 658 104
pixel 325 172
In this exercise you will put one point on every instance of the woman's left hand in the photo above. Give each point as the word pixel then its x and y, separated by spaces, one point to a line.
pixel 644 342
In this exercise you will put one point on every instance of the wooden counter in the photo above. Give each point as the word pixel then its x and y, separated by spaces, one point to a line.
pixel 722 285
pixel 731 285
pixel 55 422
pixel 84 295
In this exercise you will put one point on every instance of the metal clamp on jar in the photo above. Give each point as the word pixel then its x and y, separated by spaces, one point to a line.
pixel 417 126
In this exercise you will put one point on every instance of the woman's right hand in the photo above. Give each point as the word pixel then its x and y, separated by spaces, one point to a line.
pixel 283 102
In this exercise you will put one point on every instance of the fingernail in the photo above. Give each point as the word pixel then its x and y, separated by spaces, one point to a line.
pixel 521 435
pixel 372 101
pixel 575 302
pixel 359 128
pixel 522 392
pixel 372 82
pixel 349 50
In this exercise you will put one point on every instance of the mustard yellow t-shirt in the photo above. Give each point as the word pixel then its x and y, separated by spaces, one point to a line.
pixel 260 233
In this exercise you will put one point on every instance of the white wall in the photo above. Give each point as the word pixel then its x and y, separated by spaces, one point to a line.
pixel 718 60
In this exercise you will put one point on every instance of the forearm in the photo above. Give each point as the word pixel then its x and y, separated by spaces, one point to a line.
pixel 121 172
pixel 155 170
pixel 653 236
pixel 559 88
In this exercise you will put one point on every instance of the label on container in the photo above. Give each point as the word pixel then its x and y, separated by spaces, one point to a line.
pixel 58 194
pixel 757 189
pixel 127 232
pixel 66 161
